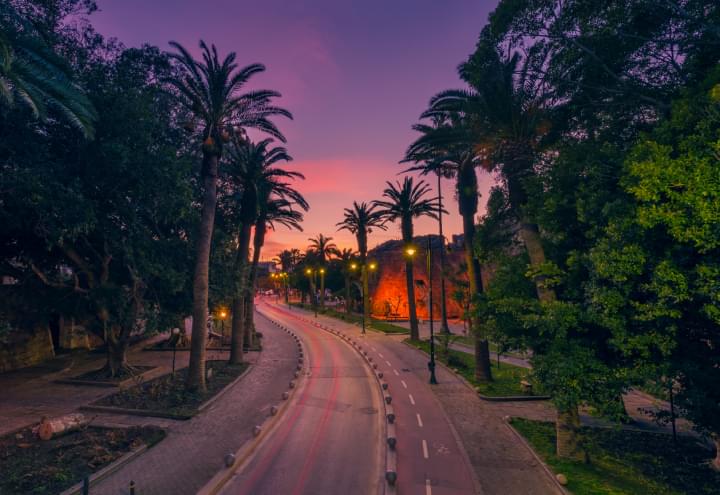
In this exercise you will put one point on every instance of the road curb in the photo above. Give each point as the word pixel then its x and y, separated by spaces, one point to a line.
pixel 263 431
pixel 107 470
pixel 546 468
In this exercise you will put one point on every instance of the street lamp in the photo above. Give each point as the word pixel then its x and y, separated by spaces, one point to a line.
pixel 312 277
pixel 363 292
pixel 223 315
pixel 431 364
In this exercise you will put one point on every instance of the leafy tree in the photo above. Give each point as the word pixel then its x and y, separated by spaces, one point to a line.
pixel 32 73
pixel 210 90
pixel 406 202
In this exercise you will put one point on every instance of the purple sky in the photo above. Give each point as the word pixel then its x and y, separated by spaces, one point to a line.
pixel 355 74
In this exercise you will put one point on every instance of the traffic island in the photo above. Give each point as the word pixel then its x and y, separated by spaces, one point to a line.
pixel 166 397
pixel 33 466
pixel 624 461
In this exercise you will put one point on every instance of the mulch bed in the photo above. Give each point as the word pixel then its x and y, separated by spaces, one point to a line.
pixel 32 466
pixel 100 375
pixel 167 393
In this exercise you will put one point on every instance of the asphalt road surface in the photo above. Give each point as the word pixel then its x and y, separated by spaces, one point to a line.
pixel 329 441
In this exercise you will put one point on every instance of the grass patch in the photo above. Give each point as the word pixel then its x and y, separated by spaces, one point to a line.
pixel 626 462
pixel 167 393
pixel 32 466
pixel 372 324
pixel 506 377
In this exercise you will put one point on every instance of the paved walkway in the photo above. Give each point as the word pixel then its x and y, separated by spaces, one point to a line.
pixel 28 394
pixel 502 465
pixel 194 450
pixel 636 401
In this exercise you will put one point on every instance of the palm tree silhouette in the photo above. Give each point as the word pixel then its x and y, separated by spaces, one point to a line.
pixel 325 248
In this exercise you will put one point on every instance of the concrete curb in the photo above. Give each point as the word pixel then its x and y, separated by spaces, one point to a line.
pixel 106 471
pixel 136 412
pixel 263 431
pixel 545 467
pixel 225 389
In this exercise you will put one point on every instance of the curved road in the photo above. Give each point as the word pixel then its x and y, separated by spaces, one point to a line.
pixel 330 440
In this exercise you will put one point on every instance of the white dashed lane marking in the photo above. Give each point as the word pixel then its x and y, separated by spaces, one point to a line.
pixel 412 401
pixel 403 383
pixel 428 488
pixel 425 450
pixel 420 423
pixel 396 372
pixel 388 363
pixel 379 354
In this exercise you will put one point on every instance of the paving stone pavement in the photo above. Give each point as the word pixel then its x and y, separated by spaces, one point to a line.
pixel 193 450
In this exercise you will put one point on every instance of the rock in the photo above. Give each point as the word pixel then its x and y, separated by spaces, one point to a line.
pixel 562 479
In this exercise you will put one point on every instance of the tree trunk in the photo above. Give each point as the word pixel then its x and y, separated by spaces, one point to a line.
pixel 50 428
pixel 468 202
pixel 116 357
pixel 366 292
pixel 567 427
pixel 412 310
pixel 241 261
pixel 258 242
pixel 715 464
pixel 530 235
pixel 196 369
pixel 322 290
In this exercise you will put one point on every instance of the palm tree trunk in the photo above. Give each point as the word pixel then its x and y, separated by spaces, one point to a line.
pixel 412 311
pixel 258 242
pixel 241 262
pixel 366 292
pixel 530 235
pixel 467 201
pixel 196 369
pixel 567 426
pixel 322 290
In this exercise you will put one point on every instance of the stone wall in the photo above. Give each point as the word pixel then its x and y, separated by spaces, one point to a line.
pixel 388 285
pixel 21 349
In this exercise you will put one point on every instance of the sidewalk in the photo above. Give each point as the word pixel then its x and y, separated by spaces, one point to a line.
pixel 194 450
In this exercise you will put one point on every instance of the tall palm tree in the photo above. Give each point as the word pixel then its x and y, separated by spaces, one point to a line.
pixel 273 210
pixel 346 257
pixel 211 91
pixel 31 73
pixel 438 150
pixel 406 202
pixel 325 248
pixel 360 220
pixel 252 174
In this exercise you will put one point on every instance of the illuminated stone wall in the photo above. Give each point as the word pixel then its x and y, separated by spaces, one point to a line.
pixel 388 289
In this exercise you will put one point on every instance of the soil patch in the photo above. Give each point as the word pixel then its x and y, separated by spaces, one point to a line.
pixel 167 393
pixel 32 466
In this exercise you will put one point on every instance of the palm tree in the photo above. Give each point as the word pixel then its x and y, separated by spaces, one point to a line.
pixel 325 248
pixel 438 150
pixel 253 177
pixel 346 257
pixel 406 202
pixel 210 91
pixel 360 220
pixel 272 211
pixel 31 73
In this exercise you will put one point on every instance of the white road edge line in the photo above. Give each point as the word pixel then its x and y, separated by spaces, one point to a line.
pixel 420 423
pixel 403 383
pixel 412 401
pixel 425 450
pixel 428 487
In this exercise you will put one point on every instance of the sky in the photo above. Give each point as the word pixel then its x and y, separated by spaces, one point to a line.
pixel 355 74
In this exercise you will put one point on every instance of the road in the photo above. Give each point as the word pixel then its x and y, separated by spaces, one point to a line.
pixel 329 441
pixel 430 459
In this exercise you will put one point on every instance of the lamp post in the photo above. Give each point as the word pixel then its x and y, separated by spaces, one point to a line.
pixel 431 364
pixel 322 287
pixel 312 277
pixel 443 308
pixel 364 275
